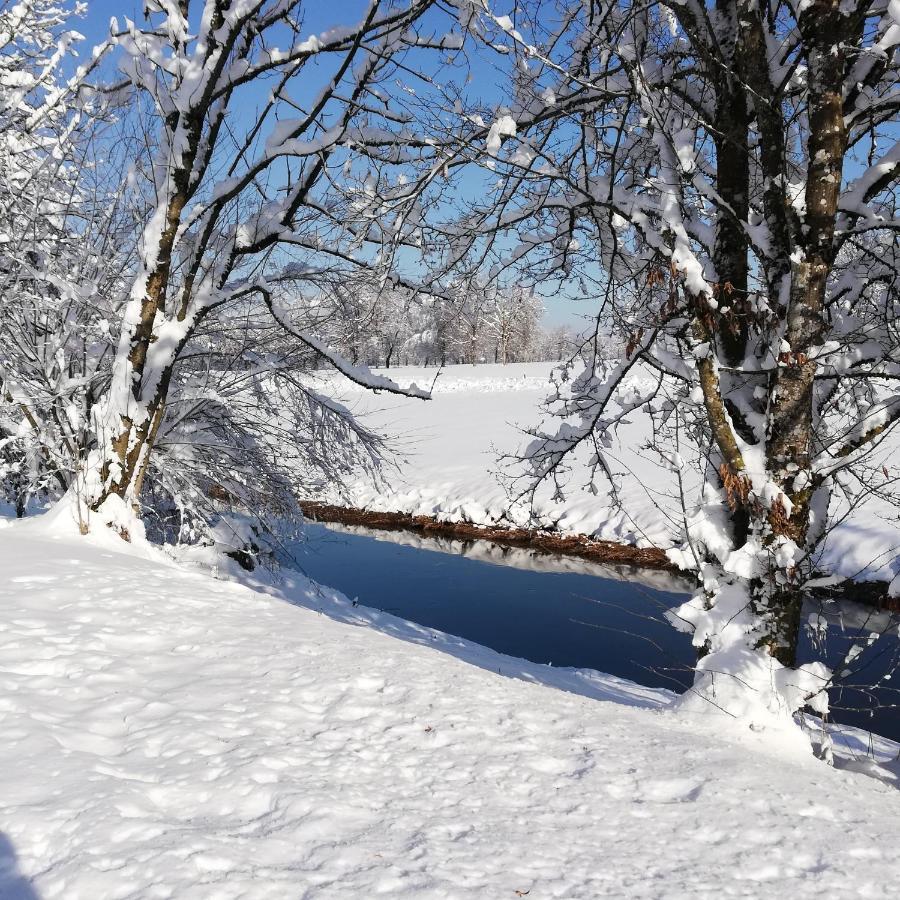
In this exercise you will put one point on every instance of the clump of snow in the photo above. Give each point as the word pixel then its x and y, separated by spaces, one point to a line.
pixel 503 126
pixel 737 679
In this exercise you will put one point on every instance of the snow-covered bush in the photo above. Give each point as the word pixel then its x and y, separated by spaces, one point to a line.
pixel 60 247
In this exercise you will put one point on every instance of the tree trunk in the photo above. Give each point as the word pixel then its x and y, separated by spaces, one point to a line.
pixel 731 249
pixel 791 425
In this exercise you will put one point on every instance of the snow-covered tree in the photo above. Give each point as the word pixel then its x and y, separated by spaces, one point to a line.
pixel 276 159
pixel 52 284
pixel 511 323
pixel 723 180
pixel 245 431
pixel 558 344
pixel 381 325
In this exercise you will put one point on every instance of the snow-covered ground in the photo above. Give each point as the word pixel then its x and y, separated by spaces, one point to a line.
pixel 450 451
pixel 452 446
pixel 166 734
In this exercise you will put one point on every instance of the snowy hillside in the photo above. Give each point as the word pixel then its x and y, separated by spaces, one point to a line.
pixel 453 445
pixel 170 735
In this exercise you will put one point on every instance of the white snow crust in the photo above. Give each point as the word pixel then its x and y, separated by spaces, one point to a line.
pixel 166 734
pixel 451 448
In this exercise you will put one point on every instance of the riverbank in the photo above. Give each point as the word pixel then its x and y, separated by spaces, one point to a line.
pixel 576 545
pixel 457 452
pixel 875 594
pixel 173 735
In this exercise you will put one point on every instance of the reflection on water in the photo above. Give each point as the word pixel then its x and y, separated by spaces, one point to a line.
pixel 567 611
pixel 519 557
pixel 547 609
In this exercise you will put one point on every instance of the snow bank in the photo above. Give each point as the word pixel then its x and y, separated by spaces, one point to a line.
pixel 450 449
pixel 169 735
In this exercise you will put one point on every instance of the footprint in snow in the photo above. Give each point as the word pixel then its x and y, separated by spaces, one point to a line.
pixel 672 790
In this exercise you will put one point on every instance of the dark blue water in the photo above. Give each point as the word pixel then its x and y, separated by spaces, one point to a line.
pixel 560 617
pixel 568 612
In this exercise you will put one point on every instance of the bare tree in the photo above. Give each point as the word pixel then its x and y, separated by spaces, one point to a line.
pixel 238 203
pixel 723 181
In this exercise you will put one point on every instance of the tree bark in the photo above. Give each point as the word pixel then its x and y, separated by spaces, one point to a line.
pixel 791 424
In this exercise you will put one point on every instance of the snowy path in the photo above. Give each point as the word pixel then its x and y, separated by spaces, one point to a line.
pixel 168 735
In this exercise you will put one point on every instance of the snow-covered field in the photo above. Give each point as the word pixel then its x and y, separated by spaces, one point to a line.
pixel 452 446
pixel 166 734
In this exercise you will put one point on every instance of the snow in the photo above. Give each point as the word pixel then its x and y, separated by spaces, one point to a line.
pixel 452 446
pixel 733 676
pixel 504 126
pixel 171 735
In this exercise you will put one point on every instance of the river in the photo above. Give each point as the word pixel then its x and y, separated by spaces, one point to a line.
pixel 565 611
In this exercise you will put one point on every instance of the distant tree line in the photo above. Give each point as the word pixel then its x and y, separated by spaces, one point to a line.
pixel 378 326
